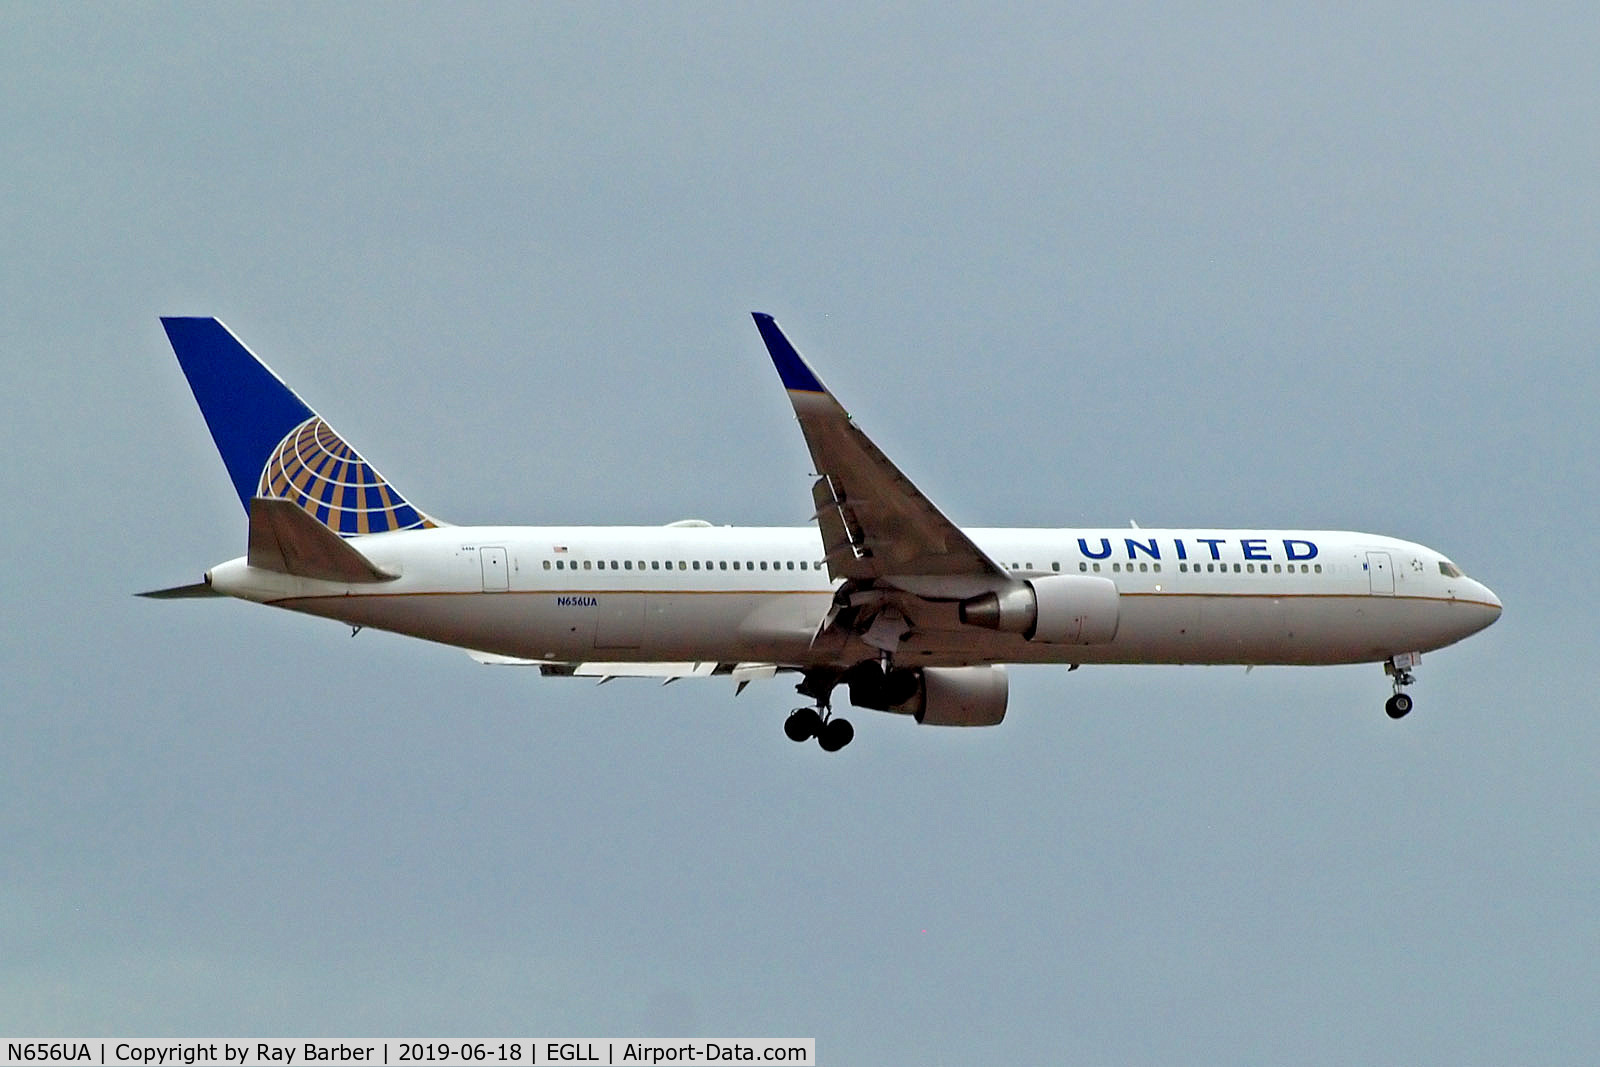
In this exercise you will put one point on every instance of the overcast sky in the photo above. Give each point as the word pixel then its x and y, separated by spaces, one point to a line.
pixel 1188 264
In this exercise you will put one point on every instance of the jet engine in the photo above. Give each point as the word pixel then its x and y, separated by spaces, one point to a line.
pixel 934 696
pixel 1058 609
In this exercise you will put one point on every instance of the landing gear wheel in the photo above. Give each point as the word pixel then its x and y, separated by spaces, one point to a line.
pixel 803 724
pixel 835 734
pixel 1398 706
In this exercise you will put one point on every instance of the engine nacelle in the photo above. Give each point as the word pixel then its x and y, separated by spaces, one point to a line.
pixel 934 696
pixel 1058 609
pixel 963 696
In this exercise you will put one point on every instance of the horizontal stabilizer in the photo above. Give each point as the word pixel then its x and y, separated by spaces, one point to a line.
pixel 286 539
pixel 667 672
pixel 182 592
pixel 743 673
pixel 494 659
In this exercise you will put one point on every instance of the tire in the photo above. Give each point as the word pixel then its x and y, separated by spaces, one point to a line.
pixel 802 724
pixel 836 733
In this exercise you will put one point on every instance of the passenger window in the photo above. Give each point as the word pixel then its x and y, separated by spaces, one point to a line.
pixel 1097 568
pixel 723 565
pixel 1082 566
pixel 1319 568
pixel 628 564
pixel 735 564
pixel 546 564
pixel 587 564
pixel 696 564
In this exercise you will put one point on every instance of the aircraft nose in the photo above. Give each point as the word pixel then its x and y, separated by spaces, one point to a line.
pixel 1491 604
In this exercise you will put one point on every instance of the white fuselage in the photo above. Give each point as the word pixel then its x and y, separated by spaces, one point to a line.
pixel 742 594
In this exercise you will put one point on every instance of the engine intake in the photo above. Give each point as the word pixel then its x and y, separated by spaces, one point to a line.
pixel 1059 609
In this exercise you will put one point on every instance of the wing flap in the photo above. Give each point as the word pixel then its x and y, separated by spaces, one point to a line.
pixel 843 543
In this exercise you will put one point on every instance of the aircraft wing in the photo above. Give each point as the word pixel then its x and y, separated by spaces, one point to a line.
pixel 668 672
pixel 874 521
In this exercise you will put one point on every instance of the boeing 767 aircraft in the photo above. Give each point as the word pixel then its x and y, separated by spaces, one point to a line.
pixel 884 595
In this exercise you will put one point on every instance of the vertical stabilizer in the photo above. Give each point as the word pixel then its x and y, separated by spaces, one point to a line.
pixel 274 445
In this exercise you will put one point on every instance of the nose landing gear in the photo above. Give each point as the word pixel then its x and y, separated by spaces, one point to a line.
pixel 1399 668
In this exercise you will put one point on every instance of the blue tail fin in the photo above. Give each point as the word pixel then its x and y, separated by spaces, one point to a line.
pixel 275 446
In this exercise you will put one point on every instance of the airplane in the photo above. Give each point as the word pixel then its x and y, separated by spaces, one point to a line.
pixel 882 595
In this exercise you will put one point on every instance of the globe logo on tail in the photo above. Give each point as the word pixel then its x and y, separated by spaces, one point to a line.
pixel 314 467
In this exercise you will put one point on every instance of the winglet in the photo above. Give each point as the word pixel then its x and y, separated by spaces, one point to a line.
pixel 791 368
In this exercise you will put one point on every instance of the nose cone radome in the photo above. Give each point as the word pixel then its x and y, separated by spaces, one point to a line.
pixel 1485 606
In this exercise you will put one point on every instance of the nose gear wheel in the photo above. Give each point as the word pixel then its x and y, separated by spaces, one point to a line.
pixel 1399 668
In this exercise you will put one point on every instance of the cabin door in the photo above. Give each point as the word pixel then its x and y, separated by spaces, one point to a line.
pixel 1380 571
pixel 496 579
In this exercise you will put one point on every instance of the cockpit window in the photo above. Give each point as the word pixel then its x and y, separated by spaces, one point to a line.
pixel 1450 570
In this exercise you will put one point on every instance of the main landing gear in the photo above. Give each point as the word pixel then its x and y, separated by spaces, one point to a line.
pixel 805 723
pixel 1399 668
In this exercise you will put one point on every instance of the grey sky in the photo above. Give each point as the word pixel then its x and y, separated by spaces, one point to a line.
pixel 1186 264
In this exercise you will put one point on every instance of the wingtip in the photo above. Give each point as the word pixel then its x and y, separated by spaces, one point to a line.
pixel 796 375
